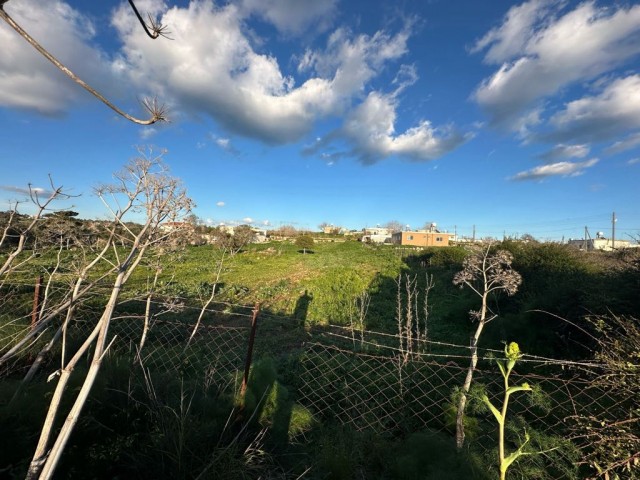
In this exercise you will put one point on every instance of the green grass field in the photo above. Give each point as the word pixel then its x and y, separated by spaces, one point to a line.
pixel 300 296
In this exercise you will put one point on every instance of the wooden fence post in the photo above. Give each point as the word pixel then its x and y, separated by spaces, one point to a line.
pixel 252 336
pixel 35 312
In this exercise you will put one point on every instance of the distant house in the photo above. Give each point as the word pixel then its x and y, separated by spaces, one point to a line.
pixel 376 235
pixel 376 231
pixel 171 226
pixel 332 230
pixel 601 243
pixel 422 238
pixel 261 235
pixel 376 238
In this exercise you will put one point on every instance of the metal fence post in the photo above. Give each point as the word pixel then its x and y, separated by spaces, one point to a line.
pixel 252 336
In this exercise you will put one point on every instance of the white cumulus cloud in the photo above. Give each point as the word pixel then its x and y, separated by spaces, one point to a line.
pixel 370 129
pixel 541 50
pixel 220 204
pixel 601 117
pixel 211 67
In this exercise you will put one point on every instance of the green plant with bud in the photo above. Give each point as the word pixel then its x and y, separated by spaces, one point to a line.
pixel 513 354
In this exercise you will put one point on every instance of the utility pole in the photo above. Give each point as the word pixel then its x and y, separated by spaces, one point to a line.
pixel 474 234
pixel 584 243
pixel 613 231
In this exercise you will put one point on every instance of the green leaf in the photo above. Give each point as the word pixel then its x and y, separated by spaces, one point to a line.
pixel 493 409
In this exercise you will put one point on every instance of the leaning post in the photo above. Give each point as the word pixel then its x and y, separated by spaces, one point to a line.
pixel 252 337
pixel 35 312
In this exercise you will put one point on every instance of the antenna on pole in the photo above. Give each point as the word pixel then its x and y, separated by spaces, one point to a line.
pixel 613 231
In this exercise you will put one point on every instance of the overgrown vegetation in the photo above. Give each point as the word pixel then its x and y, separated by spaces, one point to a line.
pixel 191 423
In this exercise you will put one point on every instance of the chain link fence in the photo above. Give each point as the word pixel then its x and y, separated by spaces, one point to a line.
pixel 366 381
pixel 213 349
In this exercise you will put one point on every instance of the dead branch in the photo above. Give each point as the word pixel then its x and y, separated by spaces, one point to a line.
pixel 160 197
pixel 157 112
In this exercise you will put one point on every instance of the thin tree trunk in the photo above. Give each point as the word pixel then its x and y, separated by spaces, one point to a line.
pixel 207 303
pixel 39 456
pixel 462 403
pixel 53 457
pixel 36 363
pixel 147 313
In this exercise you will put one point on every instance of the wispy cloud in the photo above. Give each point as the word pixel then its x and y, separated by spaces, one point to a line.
pixel 627 143
pixel 565 151
pixel 225 144
pixel 148 132
pixel 220 204
pixel 563 169
pixel 292 16
pixel 40 192
pixel 634 161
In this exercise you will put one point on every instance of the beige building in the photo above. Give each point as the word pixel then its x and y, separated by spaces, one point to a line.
pixel 422 238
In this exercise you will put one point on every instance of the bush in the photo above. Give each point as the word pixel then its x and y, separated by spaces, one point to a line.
pixel 305 242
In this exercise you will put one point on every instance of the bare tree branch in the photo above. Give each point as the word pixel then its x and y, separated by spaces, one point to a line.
pixel 157 111
pixel 56 193
pixel 157 29
pixel 159 196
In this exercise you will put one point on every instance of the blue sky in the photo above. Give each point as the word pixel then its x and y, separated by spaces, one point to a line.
pixel 513 117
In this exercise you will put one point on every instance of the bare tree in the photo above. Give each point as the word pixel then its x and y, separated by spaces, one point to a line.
pixel 209 300
pixel 153 29
pixel 358 308
pixel 485 274
pixel 233 243
pixel 412 330
pixel 285 231
pixel 394 226
pixel 42 206
pixel 614 441
pixel 143 187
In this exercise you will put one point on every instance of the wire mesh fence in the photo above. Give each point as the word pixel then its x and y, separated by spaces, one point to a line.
pixel 212 350
pixel 364 380
pixel 368 384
